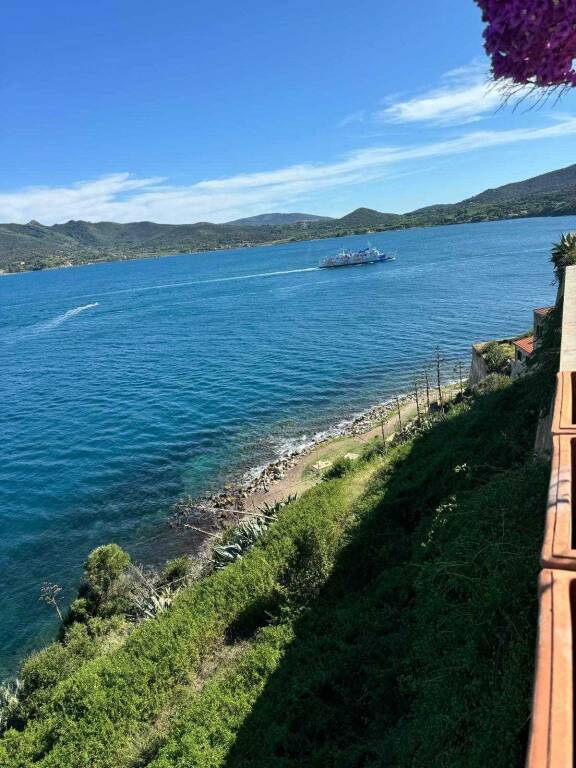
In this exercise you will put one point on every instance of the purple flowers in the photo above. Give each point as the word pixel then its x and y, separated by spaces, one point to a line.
pixel 531 41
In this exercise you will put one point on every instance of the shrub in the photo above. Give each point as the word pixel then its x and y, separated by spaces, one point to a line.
pixel 104 590
pixel 340 468
pixel 492 383
pixel 10 692
pixel 179 570
pixel 376 447
pixel 496 358
pixel 104 567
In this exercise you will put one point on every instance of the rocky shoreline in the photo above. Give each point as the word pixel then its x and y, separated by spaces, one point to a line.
pixel 234 496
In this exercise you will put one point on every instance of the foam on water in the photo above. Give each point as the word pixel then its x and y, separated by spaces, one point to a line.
pixel 48 325
pixel 204 365
pixel 188 283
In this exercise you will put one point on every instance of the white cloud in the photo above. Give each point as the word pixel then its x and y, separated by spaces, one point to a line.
pixel 122 197
pixel 467 95
pixel 353 117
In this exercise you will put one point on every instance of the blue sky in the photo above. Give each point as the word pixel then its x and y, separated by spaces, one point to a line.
pixel 185 111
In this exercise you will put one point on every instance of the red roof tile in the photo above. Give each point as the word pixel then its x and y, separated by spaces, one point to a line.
pixel 543 311
pixel 526 344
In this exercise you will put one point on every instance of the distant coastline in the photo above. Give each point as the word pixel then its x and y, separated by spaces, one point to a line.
pixel 33 246
pixel 159 255
pixel 112 258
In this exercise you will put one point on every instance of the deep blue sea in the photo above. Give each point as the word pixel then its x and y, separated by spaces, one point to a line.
pixel 126 385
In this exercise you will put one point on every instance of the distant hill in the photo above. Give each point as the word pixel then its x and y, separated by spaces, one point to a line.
pixel 550 194
pixel 552 183
pixel 367 217
pixel 35 246
pixel 273 219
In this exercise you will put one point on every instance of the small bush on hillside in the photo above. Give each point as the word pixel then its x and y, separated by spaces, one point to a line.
pixel 179 570
pixel 496 358
pixel 310 565
pixel 376 447
pixel 104 590
pixel 491 383
pixel 340 468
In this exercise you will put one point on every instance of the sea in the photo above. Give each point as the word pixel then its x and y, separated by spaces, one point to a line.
pixel 125 386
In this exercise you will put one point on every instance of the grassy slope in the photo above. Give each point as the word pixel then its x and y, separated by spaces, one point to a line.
pixel 382 624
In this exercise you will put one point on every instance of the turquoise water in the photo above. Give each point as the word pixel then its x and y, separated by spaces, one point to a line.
pixel 126 385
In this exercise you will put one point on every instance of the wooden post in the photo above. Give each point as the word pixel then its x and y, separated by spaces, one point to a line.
pixel 399 413
pixel 427 389
pixel 439 361
pixel 417 399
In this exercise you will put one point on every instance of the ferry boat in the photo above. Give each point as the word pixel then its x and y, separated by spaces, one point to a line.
pixel 348 258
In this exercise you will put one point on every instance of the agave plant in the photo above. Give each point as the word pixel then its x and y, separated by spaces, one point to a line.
pixel 225 554
pixel 146 606
pixel 272 510
pixel 241 539
pixel 247 533
pixel 157 602
pixel 147 595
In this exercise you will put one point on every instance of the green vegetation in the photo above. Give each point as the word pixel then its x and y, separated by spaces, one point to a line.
pixel 387 617
pixel 564 254
pixel 497 356
pixel 34 246
pixel 102 591
pixel 178 570
pixel 340 468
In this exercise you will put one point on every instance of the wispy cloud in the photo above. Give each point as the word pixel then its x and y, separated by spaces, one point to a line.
pixel 122 197
pixel 466 95
pixel 353 117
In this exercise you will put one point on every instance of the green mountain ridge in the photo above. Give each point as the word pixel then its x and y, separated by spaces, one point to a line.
pixel 33 246
pixel 278 218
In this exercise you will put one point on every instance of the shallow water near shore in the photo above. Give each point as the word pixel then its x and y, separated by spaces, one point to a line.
pixel 127 385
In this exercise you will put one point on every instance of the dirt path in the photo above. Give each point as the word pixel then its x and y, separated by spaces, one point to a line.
pixel 304 475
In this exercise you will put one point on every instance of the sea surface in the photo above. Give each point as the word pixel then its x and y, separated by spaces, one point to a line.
pixel 127 385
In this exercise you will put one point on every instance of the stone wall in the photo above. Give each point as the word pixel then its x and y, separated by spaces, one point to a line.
pixel 478 367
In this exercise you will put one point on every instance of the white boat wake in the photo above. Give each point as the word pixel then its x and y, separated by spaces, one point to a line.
pixel 49 325
pixel 185 283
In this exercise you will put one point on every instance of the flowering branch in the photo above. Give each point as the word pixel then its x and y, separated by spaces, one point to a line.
pixel 531 42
